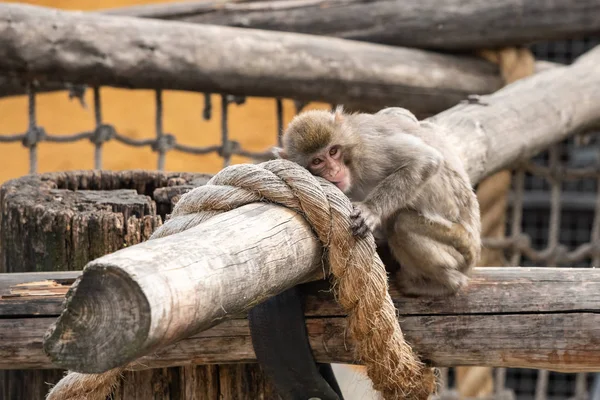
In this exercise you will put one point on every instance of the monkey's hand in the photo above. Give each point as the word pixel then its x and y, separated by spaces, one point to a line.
pixel 364 220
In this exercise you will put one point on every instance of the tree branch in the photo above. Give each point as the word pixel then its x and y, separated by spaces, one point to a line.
pixel 85 48
pixel 430 24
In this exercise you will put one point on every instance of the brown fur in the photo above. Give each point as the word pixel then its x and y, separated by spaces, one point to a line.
pixel 409 186
pixel 311 131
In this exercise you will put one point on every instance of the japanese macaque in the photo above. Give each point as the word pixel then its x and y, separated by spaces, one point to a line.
pixel 408 186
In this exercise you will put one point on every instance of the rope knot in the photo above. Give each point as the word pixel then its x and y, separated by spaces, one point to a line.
pixel 33 136
pixel 229 148
pixel 164 143
pixel 359 278
pixel 103 133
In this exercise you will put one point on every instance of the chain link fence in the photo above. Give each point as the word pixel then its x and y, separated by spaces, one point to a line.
pixel 553 216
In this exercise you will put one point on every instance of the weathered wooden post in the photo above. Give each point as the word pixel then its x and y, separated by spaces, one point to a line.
pixel 61 221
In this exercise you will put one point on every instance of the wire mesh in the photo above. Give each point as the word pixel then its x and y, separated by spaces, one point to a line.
pixel 554 211
pixel 555 221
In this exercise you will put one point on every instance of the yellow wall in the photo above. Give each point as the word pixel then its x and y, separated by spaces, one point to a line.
pixel 253 124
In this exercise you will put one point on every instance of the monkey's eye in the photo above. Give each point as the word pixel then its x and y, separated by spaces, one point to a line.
pixel 317 161
pixel 333 151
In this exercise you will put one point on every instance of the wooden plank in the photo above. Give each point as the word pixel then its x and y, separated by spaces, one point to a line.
pixel 447 25
pixel 48 44
pixel 503 318
pixel 34 293
pixel 10 282
pixel 566 341
pixel 492 290
pixel 21 343
pixel 559 342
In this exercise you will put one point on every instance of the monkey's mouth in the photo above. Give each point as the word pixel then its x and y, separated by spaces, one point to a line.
pixel 341 185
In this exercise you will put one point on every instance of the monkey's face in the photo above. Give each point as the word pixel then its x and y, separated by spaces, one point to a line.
pixel 321 142
pixel 329 164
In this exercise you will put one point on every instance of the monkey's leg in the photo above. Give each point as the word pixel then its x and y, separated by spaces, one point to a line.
pixel 434 258
pixel 280 341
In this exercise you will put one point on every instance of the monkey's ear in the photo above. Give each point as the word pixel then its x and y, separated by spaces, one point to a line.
pixel 279 152
pixel 338 114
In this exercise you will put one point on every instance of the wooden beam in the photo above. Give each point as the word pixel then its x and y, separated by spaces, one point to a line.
pixel 93 49
pixel 503 318
pixel 525 117
pixel 181 284
pixel 11 86
pixel 23 294
pixel 447 25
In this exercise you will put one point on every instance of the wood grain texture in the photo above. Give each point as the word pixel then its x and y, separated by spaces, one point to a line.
pixel 30 293
pixel 525 117
pixel 447 25
pixel 491 290
pixel 237 381
pixel 505 317
pixel 553 341
pixel 84 214
pixel 27 384
pixel 259 239
pixel 60 221
pixel 140 53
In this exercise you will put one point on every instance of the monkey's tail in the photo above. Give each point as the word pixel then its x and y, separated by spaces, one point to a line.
pixel 76 386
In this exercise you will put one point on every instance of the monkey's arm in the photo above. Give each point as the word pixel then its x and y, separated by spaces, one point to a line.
pixel 417 163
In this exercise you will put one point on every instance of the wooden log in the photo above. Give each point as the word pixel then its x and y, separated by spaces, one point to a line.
pixel 61 221
pixel 520 120
pixel 86 214
pixel 155 323
pixel 48 44
pixel 503 318
pixel 430 24
pixel 525 117
pixel 10 86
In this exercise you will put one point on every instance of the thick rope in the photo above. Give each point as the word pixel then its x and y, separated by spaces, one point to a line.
pixel 359 278
pixel 78 386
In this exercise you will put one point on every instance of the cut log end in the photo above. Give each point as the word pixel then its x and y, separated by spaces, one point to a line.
pixel 99 327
